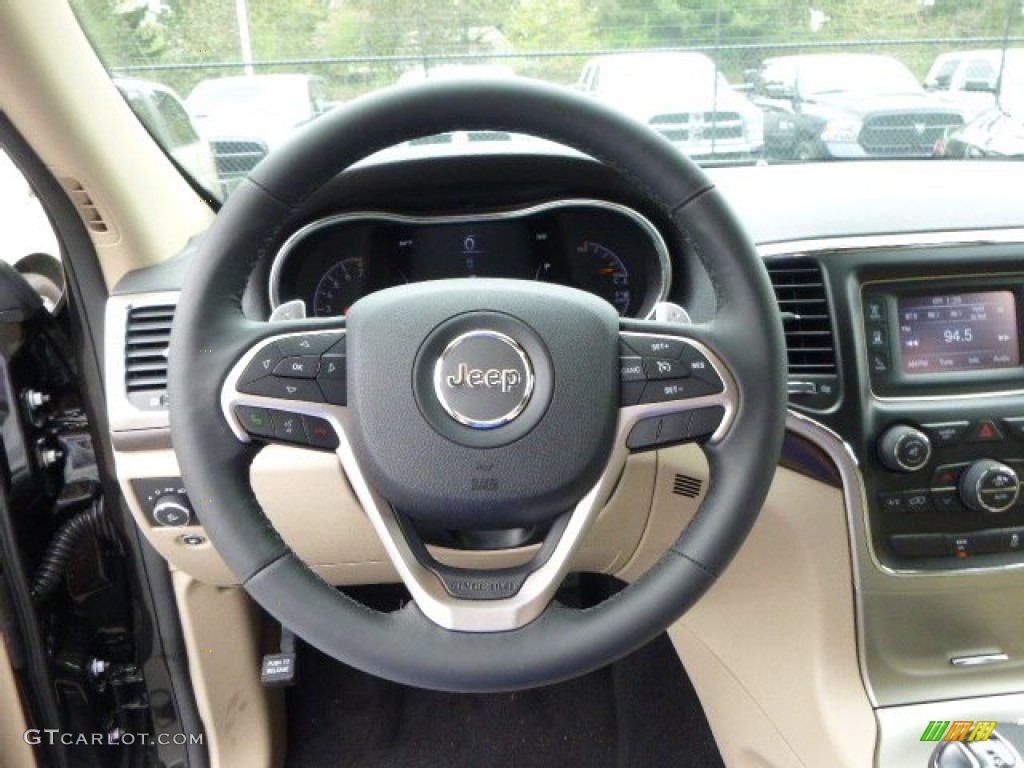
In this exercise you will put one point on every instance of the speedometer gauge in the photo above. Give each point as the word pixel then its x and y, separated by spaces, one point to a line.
pixel 339 288
pixel 599 269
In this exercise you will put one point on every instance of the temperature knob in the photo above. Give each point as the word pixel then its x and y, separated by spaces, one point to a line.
pixel 989 486
pixel 173 510
pixel 904 449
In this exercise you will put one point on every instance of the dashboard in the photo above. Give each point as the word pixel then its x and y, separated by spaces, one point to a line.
pixel 601 247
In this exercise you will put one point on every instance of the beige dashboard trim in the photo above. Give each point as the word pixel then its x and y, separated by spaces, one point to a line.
pixel 14 751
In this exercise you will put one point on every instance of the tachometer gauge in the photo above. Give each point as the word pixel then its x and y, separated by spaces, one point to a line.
pixel 339 288
pixel 598 269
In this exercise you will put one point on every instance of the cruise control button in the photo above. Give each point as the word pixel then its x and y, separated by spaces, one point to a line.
pixel 308 344
pixel 261 365
pixel 304 367
pixel 320 433
pixel 700 367
pixel 630 392
pixel 255 421
pixel 288 427
pixel 655 346
pixel 658 368
pixel 675 389
pixel 286 389
pixel 631 369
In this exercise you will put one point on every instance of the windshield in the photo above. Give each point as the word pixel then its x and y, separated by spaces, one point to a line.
pixel 730 82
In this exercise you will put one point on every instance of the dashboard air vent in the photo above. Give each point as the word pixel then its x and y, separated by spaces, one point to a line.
pixel 800 292
pixel 147 336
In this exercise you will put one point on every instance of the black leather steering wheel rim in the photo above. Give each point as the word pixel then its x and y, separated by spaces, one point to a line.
pixel 211 333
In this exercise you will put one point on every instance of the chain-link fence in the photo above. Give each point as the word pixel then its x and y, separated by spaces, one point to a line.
pixel 724 103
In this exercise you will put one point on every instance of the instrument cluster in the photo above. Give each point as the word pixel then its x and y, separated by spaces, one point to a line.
pixel 604 248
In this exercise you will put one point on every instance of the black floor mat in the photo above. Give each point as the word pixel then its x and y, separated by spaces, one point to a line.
pixel 641 711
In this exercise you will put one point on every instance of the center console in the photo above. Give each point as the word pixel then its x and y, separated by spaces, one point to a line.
pixel 945 450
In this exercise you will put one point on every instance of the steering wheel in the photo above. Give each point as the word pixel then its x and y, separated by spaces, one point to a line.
pixel 476 405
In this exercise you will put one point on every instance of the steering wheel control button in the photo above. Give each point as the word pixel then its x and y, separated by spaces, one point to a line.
pixel 700 367
pixel 285 389
pixel 255 421
pixel 631 369
pixel 658 368
pixel 288 428
pixel 674 428
pixel 332 377
pixel 675 389
pixel 303 367
pixel 320 433
pixel 655 346
pixel 483 379
pixel 263 364
pixel 308 344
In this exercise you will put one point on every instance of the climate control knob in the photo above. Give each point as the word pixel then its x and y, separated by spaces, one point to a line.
pixel 904 449
pixel 989 486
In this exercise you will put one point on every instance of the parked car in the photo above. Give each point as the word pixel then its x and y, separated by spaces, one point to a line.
pixel 847 106
pixel 998 131
pixel 245 117
pixel 165 117
pixel 684 97
pixel 573 456
pixel 971 80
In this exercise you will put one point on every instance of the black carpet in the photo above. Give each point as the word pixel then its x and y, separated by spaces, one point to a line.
pixel 641 711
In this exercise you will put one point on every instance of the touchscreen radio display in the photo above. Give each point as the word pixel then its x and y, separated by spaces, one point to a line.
pixel 958 332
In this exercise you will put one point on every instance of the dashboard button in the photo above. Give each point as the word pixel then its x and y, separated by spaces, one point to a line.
pixel 877 337
pixel 917 501
pixel 874 309
pixel 308 344
pixel 985 431
pixel 919 544
pixel 878 360
pixel 948 432
pixel 658 368
pixel 1013 540
pixel 304 367
pixel 320 433
pixel 288 427
pixel 891 502
pixel 655 346
pixel 1014 426
pixel 261 365
pixel 285 389
pixel 675 389
pixel 255 421
pixel 631 369
pixel 947 500
pixel 948 475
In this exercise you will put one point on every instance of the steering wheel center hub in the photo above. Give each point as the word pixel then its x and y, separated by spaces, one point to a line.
pixel 483 379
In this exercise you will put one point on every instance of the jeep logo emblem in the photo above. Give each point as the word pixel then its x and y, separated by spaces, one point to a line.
pixel 505 378
pixel 483 379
